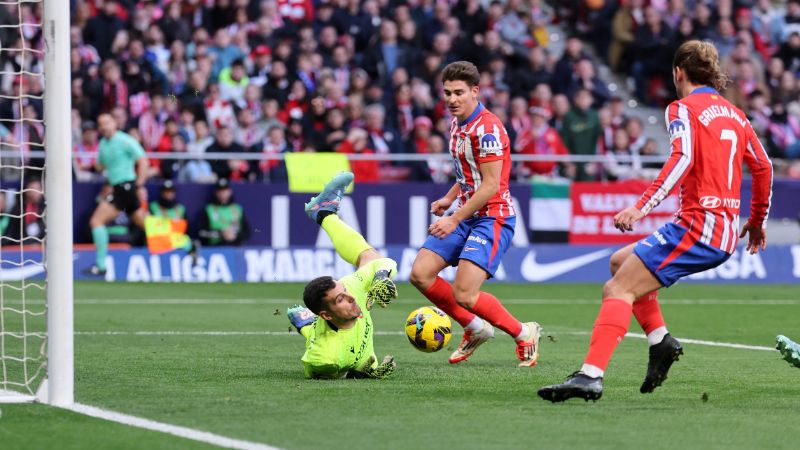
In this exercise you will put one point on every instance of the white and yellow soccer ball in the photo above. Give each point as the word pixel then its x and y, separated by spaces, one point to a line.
pixel 428 329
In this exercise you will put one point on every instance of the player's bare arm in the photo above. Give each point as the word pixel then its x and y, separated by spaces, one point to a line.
pixel 625 219
pixel 142 166
pixel 439 206
pixel 490 172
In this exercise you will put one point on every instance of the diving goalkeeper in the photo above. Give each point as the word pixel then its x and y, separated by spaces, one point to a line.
pixel 336 321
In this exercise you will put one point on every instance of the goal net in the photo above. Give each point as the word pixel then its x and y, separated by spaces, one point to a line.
pixel 27 48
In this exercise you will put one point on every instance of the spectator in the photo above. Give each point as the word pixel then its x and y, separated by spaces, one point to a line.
pixel 623 25
pixel 565 67
pixel 247 133
pixel 101 29
pixel 29 228
pixel 223 52
pixel 232 82
pixel 382 137
pixel 274 143
pixel 584 77
pixel 541 139
pixel 357 142
pixel 620 162
pixel 223 221
pixel 334 132
pixel 652 42
pixel 581 130
pixel 87 146
pixel 532 74
pixel 228 168
pixel 784 133
pixel 635 129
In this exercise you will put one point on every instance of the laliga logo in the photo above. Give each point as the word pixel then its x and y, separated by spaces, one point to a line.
pixel 710 202
pixel 676 128
pixel 490 144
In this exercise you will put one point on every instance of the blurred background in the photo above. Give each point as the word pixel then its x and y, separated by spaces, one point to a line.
pixel 226 89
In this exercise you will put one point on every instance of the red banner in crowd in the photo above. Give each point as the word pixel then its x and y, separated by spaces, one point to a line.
pixel 594 206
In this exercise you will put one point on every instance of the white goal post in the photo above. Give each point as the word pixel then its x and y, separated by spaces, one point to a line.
pixel 36 335
pixel 58 219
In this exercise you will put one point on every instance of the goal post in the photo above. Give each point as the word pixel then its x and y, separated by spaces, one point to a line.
pixel 58 219
pixel 36 263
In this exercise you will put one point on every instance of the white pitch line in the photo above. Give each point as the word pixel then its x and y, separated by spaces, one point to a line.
pixel 512 301
pixel 387 333
pixel 184 432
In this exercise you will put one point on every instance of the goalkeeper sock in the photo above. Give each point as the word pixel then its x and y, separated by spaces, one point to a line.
pixel 609 329
pixel 441 294
pixel 490 309
pixel 648 314
pixel 100 238
pixel 348 242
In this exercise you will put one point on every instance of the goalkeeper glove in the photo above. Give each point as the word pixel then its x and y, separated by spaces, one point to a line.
pixel 300 316
pixel 379 372
pixel 382 290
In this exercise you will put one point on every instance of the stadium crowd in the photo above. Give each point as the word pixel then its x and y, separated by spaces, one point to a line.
pixel 360 76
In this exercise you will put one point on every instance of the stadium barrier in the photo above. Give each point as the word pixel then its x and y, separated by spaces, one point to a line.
pixel 397 213
pixel 548 263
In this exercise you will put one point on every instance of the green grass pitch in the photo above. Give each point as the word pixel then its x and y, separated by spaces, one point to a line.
pixel 250 386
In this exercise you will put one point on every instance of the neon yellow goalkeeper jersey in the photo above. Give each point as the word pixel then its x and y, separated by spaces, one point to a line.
pixel 331 352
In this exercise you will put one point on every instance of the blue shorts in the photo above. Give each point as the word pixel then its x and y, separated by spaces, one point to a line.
pixel 482 240
pixel 671 254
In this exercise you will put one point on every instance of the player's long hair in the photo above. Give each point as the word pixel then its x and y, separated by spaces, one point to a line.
pixel 700 61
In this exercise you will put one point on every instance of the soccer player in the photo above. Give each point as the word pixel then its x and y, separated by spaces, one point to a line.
pixel 709 138
pixel 477 234
pixel 790 350
pixel 336 321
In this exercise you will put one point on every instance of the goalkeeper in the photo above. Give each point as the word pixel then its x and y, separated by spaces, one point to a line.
pixel 336 321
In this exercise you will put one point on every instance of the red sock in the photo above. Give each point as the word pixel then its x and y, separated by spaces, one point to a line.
pixel 648 313
pixel 441 294
pixel 609 329
pixel 489 307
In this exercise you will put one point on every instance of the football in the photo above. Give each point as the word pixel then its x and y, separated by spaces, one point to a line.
pixel 428 329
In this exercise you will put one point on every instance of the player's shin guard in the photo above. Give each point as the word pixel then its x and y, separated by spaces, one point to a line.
pixel 441 294
pixel 489 308
pixel 348 242
pixel 100 238
pixel 648 314
pixel 609 329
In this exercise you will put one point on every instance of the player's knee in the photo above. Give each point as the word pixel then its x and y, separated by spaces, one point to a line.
pixel 420 278
pixel 95 222
pixel 464 297
pixel 611 289
pixel 615 262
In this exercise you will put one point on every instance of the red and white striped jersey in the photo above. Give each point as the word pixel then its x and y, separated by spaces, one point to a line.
pixel 479 139
pixel 710 138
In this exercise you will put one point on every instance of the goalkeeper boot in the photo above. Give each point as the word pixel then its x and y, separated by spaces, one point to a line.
pixel 94 271
pixel 470 342
pixel 577 385
pixel 662 355
pixel 528 349
pixel 789 349
pixel 330 197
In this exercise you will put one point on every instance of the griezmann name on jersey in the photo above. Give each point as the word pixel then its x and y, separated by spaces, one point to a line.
pixel 479 139
pixel 709 139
